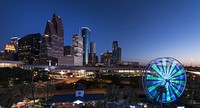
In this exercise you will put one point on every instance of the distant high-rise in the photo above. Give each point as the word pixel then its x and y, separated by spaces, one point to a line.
pixel 77 43
pixel 93 59
pixel 106 58
pixel 116 53
pixel 73 55
pixel 85 33
pixel 68 50
pixel 10 48
pixel 1 55
pixel 14 41
pixel 29 48
pixel 53 42
pixel 119 55
pixel 92 47
pixel 10 52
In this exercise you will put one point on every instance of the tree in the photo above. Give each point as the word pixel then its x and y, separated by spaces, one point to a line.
pixel 23 90
pixel 113 94
pixel 116 80
pixel 100 104
pixel 40 75
pixel 129 95
pixel 9 96
pixel 49 89
pixel 32 90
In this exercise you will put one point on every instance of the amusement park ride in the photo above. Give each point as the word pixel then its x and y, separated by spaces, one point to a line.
pixel 164 80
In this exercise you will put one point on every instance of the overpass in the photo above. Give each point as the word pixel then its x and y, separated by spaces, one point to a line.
pixel 79 68
pixel 194 72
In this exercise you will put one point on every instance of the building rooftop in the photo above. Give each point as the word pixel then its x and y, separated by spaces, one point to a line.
pixel 10 47
pixel 72 98
pixel 86 28
pixel 9 61
pixel 80 88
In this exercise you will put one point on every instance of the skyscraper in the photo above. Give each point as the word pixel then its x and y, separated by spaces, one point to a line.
pixel 77 43
pixel 1 55
pixel 73 55
pixel 29 48
pixel 68 50
pixel 85 33
pixel 119 55
pixel 10 48
pixel 116 53
pixel 106 58
pixel 92 47
pixel 10 52
pixel 14 41
pixel 93 59
pixel 53 42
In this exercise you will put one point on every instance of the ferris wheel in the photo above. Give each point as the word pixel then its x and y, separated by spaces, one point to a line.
pixel 164 80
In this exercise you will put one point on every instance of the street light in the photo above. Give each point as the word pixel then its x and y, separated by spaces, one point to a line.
pixel 33 75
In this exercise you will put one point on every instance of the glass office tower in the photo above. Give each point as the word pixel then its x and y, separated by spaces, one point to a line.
pixel 85 33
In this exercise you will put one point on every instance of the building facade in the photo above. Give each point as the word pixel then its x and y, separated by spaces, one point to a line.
pixel 92 47
pixel 10 52
pixel 14 41
pixel 119 60
pixel 29 48
pixel 77 43
pixel 116 53
pixel 2 55
pixel 71 60
pixel 106 58
pixel 85 33
pixel 130 64
pixel 73 55
pixel 9 63
pixel 93 58
pixel 68 50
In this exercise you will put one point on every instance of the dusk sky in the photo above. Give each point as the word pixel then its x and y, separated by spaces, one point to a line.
pixel 144 29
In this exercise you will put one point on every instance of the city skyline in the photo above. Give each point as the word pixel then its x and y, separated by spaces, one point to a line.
pixel 144 29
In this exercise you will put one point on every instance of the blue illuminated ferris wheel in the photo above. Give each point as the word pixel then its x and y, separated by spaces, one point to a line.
pixel 164 80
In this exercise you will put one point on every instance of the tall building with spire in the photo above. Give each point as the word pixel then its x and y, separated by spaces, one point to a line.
pixel 53 41
pixel 85 33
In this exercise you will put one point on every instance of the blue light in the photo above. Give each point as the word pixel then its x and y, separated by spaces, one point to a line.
pixel 164 72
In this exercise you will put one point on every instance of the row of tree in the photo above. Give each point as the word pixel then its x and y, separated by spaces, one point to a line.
pixel 18 84
pixel 14 94
pixel 15 76
pixel 117 97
